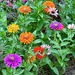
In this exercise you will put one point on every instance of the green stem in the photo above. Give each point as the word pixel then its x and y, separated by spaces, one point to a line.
pixel 12 43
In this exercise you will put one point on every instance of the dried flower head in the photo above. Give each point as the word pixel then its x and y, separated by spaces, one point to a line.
pixel 56 26
pixel 12 28
pixel 71 26
pixel 26 37
pixel 24 9
pixel 39 52
pixel 48 4
pixel 12 60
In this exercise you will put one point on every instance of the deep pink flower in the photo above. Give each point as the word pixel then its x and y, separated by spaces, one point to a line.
pixel 12 60
pixel 56 26
pixel 24 0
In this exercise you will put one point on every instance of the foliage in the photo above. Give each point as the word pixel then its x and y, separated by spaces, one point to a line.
pixel 37 22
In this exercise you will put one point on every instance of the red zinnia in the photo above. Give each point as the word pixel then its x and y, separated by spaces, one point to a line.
pixel 39 52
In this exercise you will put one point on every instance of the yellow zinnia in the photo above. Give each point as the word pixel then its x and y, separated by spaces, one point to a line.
pixel 12 28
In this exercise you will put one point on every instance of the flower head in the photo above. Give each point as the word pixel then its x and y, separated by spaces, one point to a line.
pixel 24 0
pixel 53 11
pixel 26 37
pixel 12 28
pixel 24 9
pixel 48 4
pixel 12 60
pixel 39 52
pixel 47 47
pixel 31 58
pixel 56 26
pixel 71 26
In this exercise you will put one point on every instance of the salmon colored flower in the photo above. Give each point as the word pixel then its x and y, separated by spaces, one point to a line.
pixel 39 52
pixel 26 37
pixel 12 28
pixel 48 4
pixel 24 9
pixel 31 58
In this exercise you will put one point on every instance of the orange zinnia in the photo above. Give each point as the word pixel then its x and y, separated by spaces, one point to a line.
pixel 48 4
pixel 32 59
pixel 26 37
pixel 24 9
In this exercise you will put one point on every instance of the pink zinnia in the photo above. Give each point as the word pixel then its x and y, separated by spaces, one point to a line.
pixel 56 26
pixel 53 11
pixel 12 60
pixel 24 0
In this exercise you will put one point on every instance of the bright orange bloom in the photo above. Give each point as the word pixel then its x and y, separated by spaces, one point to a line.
pixel 26 37
pixel 24 9
pixel 48 4
pixel 39 52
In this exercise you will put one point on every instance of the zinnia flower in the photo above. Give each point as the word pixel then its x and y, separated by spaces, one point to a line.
pixel 48 4
pixel 53 11
pixel 12 60
pixel 39 52
pixel 24 9
pixel 47 47
pixel 31 58
pixel 56 26
pixel 24 0
pixel 71 26
pixel 12 28
pixel 26 37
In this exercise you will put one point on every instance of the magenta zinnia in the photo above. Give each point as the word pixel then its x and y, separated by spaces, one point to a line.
pixel 56 26
pixel 12 60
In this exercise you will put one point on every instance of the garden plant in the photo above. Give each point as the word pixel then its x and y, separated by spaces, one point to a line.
pixel 36 34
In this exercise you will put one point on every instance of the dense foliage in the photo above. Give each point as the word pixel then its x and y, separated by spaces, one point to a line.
pixel 36 33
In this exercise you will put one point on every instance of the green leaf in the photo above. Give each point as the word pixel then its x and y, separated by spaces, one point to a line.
pixel 55 70
pixel 38 41
pixel 4 72
pixel 20 72
pixel 59 36
pixel 64 43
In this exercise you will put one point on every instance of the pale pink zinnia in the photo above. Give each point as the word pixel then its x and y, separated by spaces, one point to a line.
pixel 53 11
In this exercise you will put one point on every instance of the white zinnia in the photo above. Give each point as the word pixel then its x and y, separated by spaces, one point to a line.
pixel 47 47
pixel 71 26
